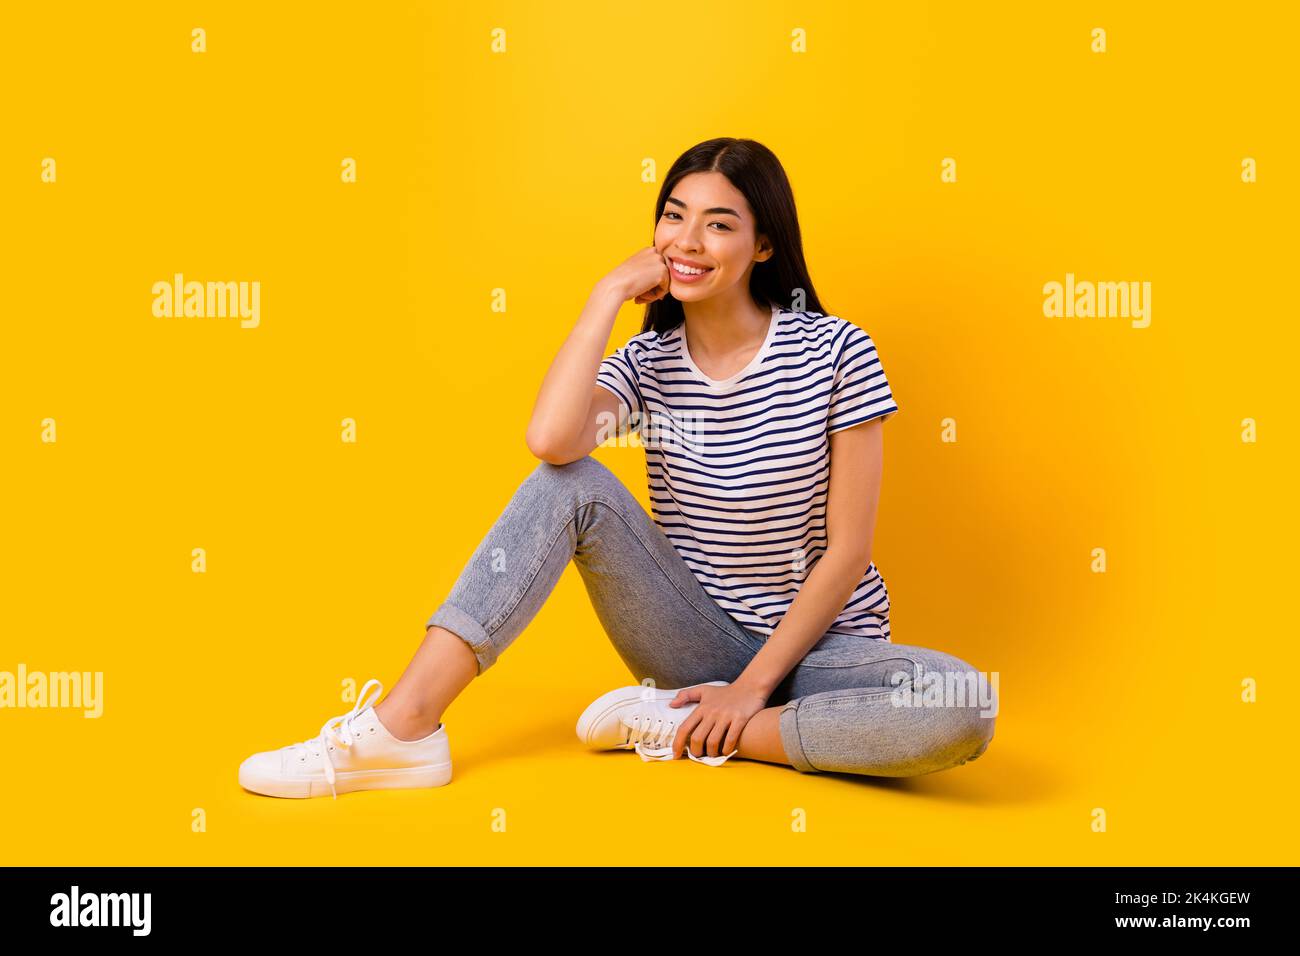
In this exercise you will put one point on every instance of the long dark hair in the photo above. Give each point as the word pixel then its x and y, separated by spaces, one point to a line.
pixel 756 172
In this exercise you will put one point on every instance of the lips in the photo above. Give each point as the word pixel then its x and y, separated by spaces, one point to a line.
pixel 689 265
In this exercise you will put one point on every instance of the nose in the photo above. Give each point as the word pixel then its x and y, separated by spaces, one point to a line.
pixel 688 241
pixel 686 235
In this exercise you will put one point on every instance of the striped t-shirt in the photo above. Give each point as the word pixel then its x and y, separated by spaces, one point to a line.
pixel 738 470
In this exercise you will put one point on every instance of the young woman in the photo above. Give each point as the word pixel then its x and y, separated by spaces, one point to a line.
pixel 750 591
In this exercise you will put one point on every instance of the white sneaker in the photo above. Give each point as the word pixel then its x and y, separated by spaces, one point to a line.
pixel 639 718
pixel 354 751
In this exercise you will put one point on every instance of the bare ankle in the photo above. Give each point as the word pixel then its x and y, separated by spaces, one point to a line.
pixel 406 723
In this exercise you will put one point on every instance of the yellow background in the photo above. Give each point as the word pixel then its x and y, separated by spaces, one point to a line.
pixel 521 171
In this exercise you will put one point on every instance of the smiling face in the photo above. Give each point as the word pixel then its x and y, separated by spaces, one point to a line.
pixel 709 235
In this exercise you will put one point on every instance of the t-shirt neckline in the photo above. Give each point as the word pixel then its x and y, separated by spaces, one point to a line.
pixel 753 363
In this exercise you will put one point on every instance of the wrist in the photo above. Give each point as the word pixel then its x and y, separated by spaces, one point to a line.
pixel 756 684
pixel 608 292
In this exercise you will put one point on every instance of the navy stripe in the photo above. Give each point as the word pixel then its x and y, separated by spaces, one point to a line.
pixel 740 473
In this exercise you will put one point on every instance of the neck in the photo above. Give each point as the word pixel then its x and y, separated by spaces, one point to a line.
pixel 717 329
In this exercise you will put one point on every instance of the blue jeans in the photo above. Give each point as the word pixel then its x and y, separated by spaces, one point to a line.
pixel 852 705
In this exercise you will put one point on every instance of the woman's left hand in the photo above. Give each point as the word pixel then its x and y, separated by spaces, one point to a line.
pixel 713 728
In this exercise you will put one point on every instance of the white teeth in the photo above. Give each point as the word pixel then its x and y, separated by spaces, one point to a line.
pixel 687 270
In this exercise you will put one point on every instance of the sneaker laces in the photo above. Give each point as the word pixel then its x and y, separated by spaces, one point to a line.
pixel 651 736
pixel 338 731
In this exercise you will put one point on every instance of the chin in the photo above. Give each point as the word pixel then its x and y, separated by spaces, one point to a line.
pixel 687 293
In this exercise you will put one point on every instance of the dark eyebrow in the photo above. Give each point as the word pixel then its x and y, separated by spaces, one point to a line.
pixel 722 209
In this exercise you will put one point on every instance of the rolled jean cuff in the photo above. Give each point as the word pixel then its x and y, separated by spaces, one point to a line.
pixel 789 727
pixel 468 630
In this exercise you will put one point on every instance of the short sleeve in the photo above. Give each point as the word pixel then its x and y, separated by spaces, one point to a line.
pixel 618 374
pixel 859 391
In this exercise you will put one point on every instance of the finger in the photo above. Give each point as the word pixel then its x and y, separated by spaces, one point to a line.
pixel 685 696
pixel 700 737
pixel 733 739
pixel 716 737
pixel 655 293
pixel 683 733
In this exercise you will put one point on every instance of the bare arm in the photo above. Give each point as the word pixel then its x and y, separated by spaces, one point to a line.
pixel 571 408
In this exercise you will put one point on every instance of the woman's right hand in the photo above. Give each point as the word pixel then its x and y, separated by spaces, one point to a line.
pixel 643 277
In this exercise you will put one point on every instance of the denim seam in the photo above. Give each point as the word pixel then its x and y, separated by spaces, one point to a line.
pixel 870 660
pixel 617 513
pixel 483 645
pixel 883 692
pixel 500 619
pixel 462 624
pixel 803 754
pixel 495 624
